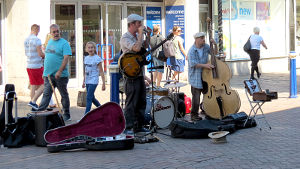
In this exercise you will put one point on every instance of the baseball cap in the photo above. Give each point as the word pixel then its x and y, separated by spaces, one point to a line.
pixel 134 17
pixel 199 34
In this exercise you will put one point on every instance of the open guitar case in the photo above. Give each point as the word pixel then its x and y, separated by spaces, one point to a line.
pixel 100 129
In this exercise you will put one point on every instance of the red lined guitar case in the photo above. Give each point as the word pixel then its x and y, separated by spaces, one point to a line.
pixel 100 129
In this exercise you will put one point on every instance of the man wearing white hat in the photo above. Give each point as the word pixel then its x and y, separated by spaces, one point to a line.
pixel 197 60
pixel 135 89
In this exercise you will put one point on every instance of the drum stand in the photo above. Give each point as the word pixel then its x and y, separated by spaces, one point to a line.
pixel 151 125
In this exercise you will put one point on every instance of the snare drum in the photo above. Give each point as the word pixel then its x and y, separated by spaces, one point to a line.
pixel 160 92
pixel 164 110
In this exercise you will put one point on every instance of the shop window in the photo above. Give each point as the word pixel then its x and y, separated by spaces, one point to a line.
pixel 65 18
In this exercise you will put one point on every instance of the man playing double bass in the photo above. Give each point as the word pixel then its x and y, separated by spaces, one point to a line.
pixel 197 60
pixel 135 89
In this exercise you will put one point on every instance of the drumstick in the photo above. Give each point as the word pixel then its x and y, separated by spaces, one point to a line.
pixel 55 95
pixel 158 138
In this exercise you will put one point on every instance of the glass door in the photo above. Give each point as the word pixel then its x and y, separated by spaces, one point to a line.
pixel 203 14
pixel 65 18
pixel 91 23
pixel 135 9
pixel 112 32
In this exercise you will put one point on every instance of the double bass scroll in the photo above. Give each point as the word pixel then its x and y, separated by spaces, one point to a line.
pixel 219 100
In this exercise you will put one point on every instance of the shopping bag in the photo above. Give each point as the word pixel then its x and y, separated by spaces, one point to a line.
pixel 247 46
pixel 81 99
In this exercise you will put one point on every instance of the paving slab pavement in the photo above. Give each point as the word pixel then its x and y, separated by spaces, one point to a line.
pixel 246 148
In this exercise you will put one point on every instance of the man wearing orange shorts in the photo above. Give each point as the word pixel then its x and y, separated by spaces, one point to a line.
pixel 33 51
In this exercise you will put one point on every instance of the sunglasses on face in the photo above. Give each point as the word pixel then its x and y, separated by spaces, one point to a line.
pixel 57 31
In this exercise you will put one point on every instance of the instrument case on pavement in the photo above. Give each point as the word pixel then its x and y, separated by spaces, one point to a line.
pixel 99 129
pixel 17 131
pixel 201 128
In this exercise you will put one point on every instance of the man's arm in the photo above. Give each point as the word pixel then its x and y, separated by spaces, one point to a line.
pixel 40 52
pixel 62 66
pixel 147 41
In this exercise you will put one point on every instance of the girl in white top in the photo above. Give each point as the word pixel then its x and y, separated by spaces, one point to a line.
pixel 93 67
pixel 256 40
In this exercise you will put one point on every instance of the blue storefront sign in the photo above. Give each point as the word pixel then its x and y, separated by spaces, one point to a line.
pixel 153 17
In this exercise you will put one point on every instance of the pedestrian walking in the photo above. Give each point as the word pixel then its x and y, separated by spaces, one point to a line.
pixel 93 68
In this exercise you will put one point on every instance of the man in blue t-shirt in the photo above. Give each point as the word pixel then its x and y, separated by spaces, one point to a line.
pixel 56 66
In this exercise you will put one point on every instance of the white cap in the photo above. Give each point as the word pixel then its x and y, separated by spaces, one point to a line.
pixel 134 17
pixel 199 34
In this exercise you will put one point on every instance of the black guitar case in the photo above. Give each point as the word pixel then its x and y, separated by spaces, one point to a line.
pixel 99 129
pixel 201 129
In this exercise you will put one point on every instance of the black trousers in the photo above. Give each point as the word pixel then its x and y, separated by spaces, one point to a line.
pixel 254 56
pixel 135 103
pixel 196 93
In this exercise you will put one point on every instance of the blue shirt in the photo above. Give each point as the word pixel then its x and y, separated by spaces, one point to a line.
pixel 54 56
pixel 197 56
pixel 255 41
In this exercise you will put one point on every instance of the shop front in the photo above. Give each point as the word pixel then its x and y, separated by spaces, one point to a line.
pixel 240 17
pixel 104 22
pixel 100 22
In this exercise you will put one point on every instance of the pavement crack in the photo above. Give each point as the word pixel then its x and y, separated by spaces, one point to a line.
pixel 207 158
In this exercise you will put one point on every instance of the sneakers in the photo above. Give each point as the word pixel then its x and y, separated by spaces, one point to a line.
pixel 33 105
pixel 66 117
pixel 143 130
pixel 258 75
pixel 128 132
pixel 34 110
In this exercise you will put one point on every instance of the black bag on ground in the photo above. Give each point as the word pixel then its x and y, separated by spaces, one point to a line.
pixel 18 132
pixel 199 129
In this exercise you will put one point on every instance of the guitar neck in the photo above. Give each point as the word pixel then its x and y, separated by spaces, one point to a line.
pixel 170 36
pixel 155 47
pixel 212 51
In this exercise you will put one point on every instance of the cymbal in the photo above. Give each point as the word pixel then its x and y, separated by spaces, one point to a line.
pixel 174 85
pixel 168 81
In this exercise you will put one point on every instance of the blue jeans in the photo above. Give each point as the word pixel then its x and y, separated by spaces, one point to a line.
pixel 61 85
pixel 90 97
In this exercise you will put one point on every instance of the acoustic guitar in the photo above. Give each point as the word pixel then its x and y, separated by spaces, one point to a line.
pixel 131 63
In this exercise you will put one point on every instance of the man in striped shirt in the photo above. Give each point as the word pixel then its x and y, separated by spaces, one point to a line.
pixel 33 51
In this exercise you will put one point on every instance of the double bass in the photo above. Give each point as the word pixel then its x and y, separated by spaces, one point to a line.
pixel 219 100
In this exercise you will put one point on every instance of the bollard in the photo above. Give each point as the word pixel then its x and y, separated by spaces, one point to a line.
pixel 114 82
pixel 293 75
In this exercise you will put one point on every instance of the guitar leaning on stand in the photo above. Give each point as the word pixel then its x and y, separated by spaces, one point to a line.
pixel 131 63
